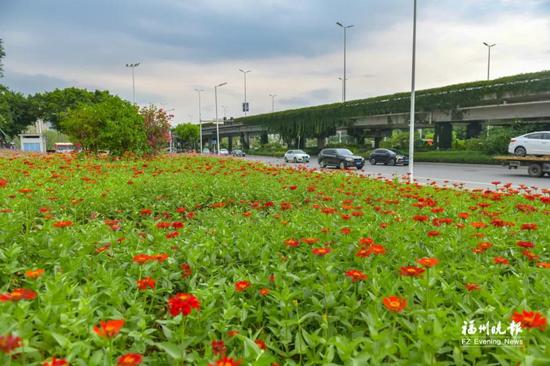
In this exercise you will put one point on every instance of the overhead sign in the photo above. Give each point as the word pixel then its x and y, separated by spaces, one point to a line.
pixel 245 107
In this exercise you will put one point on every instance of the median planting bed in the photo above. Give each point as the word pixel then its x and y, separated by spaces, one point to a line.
pixel 202 261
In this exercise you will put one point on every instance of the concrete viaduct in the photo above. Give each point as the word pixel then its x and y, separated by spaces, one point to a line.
pixel 493 109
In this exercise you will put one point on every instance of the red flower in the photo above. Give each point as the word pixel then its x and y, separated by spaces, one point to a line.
pixel 145 211
pixel 178 224
pixel 428 262
pixel 109 328
pixel 321 251
pixel 264 291
pixel 34 273
pixel 472 287
pixel 433 233
pixel 183 304
pixel 241 286
pixel 3 183
pixel 146 283
pixel 218 347
pixel 525 244
pixel 395 304
pixel 345 230
pixel 186 270
pixel 225 361
pixel 530 319
pixel 56 362
pixel 172 234
pixel 529 227
pixel 62 224
pixel 530 255
pixel 129 359
pixel 309 241
pixel 232 333
pixel 142 258
pixel 420 218
pixel 261 344
pixel 292 242
pixel 412 271
pixel 8 343
pixel 366 241
pixel 479 225
pixel 356 275
pixel 18 294
pixel 501 260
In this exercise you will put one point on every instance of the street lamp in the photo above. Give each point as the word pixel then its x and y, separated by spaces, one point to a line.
pixel 272 102
pixel 200 119
pixel 413 100
pixel 133 66
pixel 245 104
pixel 342 80
pixel 344 27
pixel 489 46
pixel 217 125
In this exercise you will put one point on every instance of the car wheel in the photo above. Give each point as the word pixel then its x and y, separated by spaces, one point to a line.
pixel 342 165
pixel 322 164
pixel 535 170
pixel 295 160
pixel 372 161
pixel 359 167
pixel 520 151
pixel 391 162
pixel 286 160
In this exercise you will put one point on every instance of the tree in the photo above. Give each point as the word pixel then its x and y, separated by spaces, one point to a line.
pixel 157 127
pixel 113 124
pixel 187 134
pixel 2 55
pixel 51 105
pixel 16 112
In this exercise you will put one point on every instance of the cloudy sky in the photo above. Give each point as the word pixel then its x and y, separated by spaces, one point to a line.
pixel 294 48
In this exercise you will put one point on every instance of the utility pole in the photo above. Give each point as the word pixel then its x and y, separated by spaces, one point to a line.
pixel 200 119
pixel 489 46
pixel 133 66
pixel 413 100
pixel 345 28
pixel 245 104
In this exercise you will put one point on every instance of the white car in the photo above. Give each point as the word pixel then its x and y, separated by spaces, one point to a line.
pixel 224 152
pixel 534 143
pixel 297 156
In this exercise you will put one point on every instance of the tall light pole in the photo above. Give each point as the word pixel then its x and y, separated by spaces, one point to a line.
pixel 344 27
pixel 200 119
pixel 342 80
pixel 272 102
pixel 133 66
pixel 245 104
pixel 217 125
pixel 489 46
pixel 413 100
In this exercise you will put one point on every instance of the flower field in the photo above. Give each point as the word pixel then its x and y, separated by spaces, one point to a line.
pixel 201 261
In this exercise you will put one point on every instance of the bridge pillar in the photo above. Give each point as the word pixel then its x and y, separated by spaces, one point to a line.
pixel 473 129
pixel 444 135
pixel 230 143
pixel 264 139
pixel 245 140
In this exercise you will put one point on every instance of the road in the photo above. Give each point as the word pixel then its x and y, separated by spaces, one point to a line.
pixel 471 175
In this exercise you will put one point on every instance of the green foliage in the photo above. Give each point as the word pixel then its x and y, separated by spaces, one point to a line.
pixel 114 125
pixel 322 121
pixel 16 112
pixel 187 134
pixel 157 127
pixel 449 156
pixel 400 140
pixel 51 105
pixel 2 55
pixel 53 137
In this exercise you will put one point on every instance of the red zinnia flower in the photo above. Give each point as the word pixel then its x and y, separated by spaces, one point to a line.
pixel 472 287
pixel 264 291
pixel 186 270
pixel 34 273
pixel 530 255
pixel 56 362
pixel 9 342
pixel 345 230
pixel 62 224
pixel 525 244
pixel 130 359
pixel 394 303
pixel 321 251
pixel 366 241
pixel 232 333
pixel 145 211
pixel 18 294
pixel 433 233
pixel 501 260
pixel 218 347
pixel 356 275
pixel 420 218
pixel 146 283
pixel 529 227
pixel 225 361
pixel 3 182
pixel 142 258
pixel 183 304
pixel 412 271
pixel 543 265
pixel 109 328
pixel 310 241
pixel 530 319
pixel 241 286
pixel 260 344
pixel 292 242
pixel 428 262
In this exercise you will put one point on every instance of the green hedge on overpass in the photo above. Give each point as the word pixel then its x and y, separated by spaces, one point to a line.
pixel 322 120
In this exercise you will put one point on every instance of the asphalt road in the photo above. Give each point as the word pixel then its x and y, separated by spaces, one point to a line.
pixel 471 175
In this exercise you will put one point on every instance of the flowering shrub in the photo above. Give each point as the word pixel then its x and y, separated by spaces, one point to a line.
pixel 205 261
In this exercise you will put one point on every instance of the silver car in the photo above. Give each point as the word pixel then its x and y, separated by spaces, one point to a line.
pixel 296 156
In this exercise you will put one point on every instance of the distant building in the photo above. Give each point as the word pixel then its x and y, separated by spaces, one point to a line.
pixel 33 138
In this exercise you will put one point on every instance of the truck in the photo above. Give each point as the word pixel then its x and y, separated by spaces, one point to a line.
pixel 537 166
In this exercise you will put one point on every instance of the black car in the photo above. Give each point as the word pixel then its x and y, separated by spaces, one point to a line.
pixel 340 158
pixel 238 153
pixel 388 157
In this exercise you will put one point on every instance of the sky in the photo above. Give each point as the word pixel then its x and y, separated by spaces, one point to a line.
pixel 294 49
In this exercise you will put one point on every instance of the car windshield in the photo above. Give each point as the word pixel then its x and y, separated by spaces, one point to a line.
pixel 397 152
pixel 298 152
pixel 345 152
